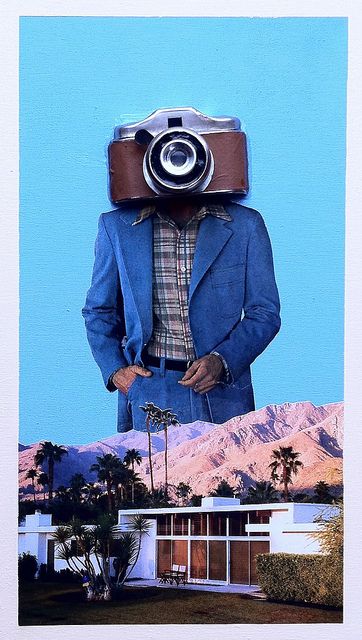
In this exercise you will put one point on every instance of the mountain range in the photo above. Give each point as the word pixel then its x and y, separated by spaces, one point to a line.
pixel 239 450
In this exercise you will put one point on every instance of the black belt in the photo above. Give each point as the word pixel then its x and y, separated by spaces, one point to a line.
pixel 174 365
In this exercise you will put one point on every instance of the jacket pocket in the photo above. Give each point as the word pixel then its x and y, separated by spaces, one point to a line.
pixel 228 287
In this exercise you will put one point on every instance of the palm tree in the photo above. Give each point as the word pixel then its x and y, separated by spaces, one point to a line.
pixel 322 493
pixel 223 489
pixel 285 461
pixel 43 481
pixel 263 492
pixel 166 418
pixel 51 453
pixel 63 493
pixel 76 484
pixel 32 474
pixel 131 457
pixel 107 468
pixel 182 491
pixel 139 525
pixel 151 412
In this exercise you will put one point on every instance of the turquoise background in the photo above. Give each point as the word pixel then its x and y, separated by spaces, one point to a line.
pixel 79 77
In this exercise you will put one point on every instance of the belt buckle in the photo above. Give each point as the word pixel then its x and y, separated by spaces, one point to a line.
pixel 188 364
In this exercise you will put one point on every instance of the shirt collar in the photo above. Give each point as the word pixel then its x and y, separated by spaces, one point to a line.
pixel 216 210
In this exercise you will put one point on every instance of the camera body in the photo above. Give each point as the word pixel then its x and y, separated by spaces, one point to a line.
pixel 177 152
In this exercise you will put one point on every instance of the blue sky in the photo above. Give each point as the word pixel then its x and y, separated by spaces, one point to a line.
pixel 79 77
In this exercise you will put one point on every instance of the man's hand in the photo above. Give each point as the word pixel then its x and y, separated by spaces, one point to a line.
pixel 123 378
pixel 204 374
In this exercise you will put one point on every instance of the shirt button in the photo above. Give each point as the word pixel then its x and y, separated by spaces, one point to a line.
pixel 183 269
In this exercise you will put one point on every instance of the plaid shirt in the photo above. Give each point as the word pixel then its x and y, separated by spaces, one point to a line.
pixel 173 254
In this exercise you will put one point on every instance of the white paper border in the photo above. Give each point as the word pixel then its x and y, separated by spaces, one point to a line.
pixel 10 12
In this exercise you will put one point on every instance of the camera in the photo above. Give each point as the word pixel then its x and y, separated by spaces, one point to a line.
pixel 177 152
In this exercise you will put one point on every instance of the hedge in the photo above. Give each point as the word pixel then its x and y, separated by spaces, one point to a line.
pixel 292 577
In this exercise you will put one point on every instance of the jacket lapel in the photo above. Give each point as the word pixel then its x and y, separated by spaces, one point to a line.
pixel 137 251
pixel 212 236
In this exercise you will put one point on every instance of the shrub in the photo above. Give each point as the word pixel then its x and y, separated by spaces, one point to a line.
pixel 27 567
pixel 292 577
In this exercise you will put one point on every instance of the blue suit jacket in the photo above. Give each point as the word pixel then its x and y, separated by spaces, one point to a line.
pixel 233 299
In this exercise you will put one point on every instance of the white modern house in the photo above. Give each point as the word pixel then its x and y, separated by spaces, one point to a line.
pixel 217 542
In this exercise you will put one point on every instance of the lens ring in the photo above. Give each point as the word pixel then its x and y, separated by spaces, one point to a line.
pixel 178 157
pixel 196 179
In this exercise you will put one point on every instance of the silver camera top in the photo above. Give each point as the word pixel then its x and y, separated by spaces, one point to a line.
pixel 185 117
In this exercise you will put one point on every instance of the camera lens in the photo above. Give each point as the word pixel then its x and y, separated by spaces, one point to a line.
pixel 178 157
pixel 178 161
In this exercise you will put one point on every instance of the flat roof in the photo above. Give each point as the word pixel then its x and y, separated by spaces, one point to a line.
pixel 274 506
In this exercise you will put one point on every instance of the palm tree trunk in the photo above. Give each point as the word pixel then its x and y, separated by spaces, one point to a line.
pixel 285 482
pixel 51 477
pixel 109 495
pixel 150 452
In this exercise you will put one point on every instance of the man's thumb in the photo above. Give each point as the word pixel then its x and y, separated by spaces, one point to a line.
pixel 141 371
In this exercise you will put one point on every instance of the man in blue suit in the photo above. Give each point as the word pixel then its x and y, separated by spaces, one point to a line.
pixel 183 299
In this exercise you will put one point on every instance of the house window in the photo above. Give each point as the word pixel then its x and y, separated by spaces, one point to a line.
pixel 198 524
pixel 217 560
pixel 163 556
pixel 237 522
pixel 164 525
pixel 180 524
pixel 239 562
pixel 198 559
pixel 217 524
pixel 179 552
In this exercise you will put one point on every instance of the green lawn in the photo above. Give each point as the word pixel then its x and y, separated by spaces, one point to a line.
pixel 56 604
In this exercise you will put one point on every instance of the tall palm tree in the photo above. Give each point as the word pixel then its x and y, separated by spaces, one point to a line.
pixel 51 453
pixel 43 481
pixel 151 412
pixel 32 474
pixel 285 464
pixel 107 468
pixel 166 418
pixel 132 457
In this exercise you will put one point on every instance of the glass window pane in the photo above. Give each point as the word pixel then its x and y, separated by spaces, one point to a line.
pixel 198 524
pixel 163 556
pixel 217 524
pixel 180 524
pixel 164 525
pixel 237 522
pixel 198 559
pixel 239 562
pixel 179 552
pixel 217 560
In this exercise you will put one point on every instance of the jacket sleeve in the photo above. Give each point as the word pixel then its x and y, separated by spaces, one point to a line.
pixel 261 319
pixel 103 310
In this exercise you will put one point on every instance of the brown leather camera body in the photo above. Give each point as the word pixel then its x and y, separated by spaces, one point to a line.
pixel 228 150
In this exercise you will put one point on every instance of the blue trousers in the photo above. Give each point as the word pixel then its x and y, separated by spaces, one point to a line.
pixel 163 390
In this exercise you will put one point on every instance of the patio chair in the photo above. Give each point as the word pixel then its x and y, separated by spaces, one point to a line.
pixel 181 575
pixel 169 575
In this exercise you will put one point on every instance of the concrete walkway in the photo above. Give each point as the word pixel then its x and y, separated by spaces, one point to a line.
pixel 221 588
